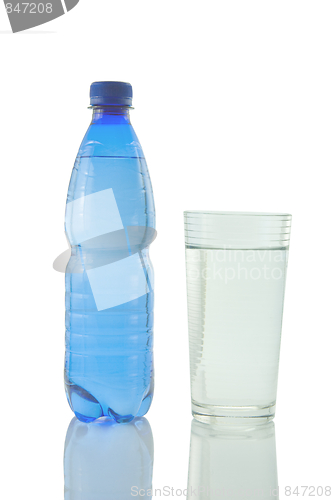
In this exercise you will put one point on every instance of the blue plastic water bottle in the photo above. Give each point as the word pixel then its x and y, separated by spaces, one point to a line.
pixel 110 223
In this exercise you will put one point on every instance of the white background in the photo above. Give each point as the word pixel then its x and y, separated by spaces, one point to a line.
pixel 234 110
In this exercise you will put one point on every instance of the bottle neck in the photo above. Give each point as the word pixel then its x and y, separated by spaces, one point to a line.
pixel 110 115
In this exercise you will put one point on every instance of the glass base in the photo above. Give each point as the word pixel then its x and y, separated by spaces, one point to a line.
pixel 211 414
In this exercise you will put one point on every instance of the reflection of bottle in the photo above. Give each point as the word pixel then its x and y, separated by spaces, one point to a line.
pixel 110 222
pixel 233 462
pixel 106 461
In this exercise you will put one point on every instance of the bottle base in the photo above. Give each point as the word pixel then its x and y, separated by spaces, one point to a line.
pixel 88 409
pixel 211 414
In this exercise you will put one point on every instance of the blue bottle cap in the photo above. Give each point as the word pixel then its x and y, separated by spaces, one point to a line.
pixel 111 94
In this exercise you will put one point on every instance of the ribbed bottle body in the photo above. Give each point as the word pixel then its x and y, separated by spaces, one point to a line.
pixel 110 222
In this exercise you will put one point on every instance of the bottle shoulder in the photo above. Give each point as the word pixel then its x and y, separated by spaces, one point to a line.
pixel 110 171
pixel 111 140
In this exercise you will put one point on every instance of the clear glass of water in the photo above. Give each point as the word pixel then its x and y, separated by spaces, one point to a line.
pixel 236 267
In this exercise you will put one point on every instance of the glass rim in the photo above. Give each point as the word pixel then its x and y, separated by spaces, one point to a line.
pixel 239 214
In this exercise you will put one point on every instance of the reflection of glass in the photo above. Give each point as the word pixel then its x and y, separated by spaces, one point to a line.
pixel 106 461
pixel 232 462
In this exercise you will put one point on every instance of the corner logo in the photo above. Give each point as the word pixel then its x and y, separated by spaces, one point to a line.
pixel 25 15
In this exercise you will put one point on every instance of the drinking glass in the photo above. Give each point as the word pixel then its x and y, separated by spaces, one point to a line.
pixel 236 266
